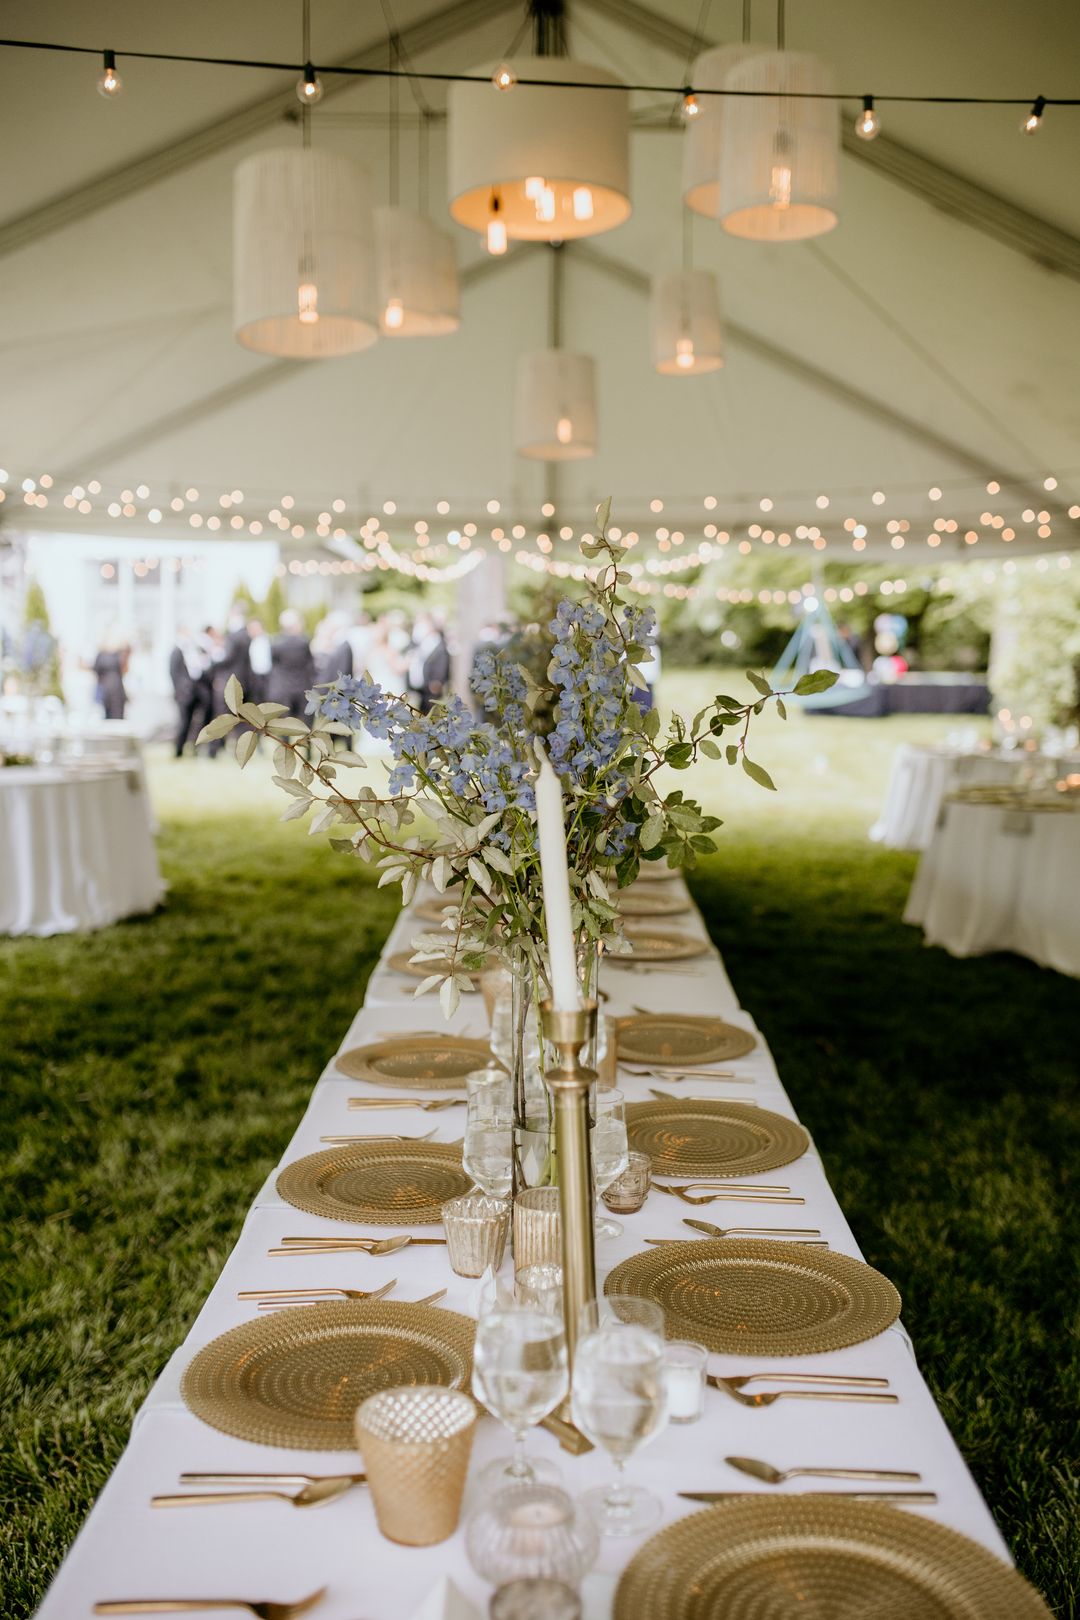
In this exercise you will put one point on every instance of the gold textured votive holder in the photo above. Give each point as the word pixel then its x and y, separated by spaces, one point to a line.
pixel 537 1228
pixel 415 1443
pixel 476 1229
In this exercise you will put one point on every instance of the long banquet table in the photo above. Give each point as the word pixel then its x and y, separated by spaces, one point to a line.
pixel 127 1549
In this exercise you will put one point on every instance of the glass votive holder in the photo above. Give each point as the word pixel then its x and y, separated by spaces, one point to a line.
pixel 537 1233
pixel 531 1531
pixel 535 1598
pixel 476 1229
pixel 415 1443
pixel 541 1286
pixel 685 1365
pixel 628 1192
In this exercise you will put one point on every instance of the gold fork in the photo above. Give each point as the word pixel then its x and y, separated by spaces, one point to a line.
pixel 344 1141
pixel 261 1608
pixel 429 1107
pixel 267 1297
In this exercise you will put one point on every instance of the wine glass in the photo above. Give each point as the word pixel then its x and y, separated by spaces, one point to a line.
pixel 487 1154
pixel 610 1153
pixel 619 1401
pixel 520 1375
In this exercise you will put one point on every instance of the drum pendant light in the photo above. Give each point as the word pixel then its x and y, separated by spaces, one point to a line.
pixel 556 405
pixel 686 330
pixel 779 156
pixel 303 265
pixel 417 276
pixel 550 163
pixel 701 146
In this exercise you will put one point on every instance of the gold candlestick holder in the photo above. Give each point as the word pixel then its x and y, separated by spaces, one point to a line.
pixel 569 1085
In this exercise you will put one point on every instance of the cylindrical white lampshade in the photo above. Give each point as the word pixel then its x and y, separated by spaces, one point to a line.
pixel 553 163
pixel 701 144
pixel 416 270
pixel 685 318
pixel 556 405
pixel 779 156
pixel 303 262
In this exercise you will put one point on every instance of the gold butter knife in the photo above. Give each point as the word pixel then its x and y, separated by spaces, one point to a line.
pixel 911 1498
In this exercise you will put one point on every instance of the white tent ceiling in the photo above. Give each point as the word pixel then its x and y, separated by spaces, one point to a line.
pixel 930 340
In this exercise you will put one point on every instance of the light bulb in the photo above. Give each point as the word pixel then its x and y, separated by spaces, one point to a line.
pixel 110 84
pixel 1033 122
pixel 868 124
pixel 684 352
pixel 583 203
pixel 534 185
pixel 309 89
pixel 393 315
pixel 504 77
pixel 691 107
pixel 545 204
pixel 564 430
pixel 780 176
pixel 307 303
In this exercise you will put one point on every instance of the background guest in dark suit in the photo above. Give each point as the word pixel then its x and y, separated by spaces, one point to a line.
pixel 429 662
pixel 292 668
pixel 189 672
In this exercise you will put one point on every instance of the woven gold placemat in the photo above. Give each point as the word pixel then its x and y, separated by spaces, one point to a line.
pixel 665 1040
pixel 377 1183
pixel 657 945
pixel 765 1558
pixel 757 1297
pixel 295 1378
pixel 426 1062
pixel 690 1137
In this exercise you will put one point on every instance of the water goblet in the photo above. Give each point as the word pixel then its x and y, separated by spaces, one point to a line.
pixel 487 1152
pixel 619 1401
pixel 610 1153
pixel 520 1375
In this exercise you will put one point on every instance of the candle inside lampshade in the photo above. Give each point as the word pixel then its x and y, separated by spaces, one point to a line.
pixel 551 831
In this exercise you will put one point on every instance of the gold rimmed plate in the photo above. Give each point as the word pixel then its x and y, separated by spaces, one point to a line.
pixel 651 903
pixel 765 1558
pixel 667 1040
pixel 426 1062
pixel 658 945
pixel 377 1183
pixel 759 1297
pixel 401 962
pixel 296 1378
pixel 688 1137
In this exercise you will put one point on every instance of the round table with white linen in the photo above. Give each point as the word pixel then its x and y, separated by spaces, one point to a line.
pixel 998 878
pixel 921 777
pixel 76 849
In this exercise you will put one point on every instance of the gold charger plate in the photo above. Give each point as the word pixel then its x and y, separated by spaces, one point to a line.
pixel 401 962
pixel 651 903
pixel 765 1558
pixel 666 1040
pixel 427 1062
pixel 760 1297
pixel 655 945
pixel 295 1378
pixel 377 1183
pixel 687 1137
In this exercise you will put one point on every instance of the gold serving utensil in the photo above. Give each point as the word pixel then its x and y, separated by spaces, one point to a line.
pixel 669 1096
pixel 330 1245
pixel 759 1231
pixel 738 1380
pixel 779 1476
pixel 911 1498
pixel 314 1494
pixel 716 1382
pixel 807 1243
pixel 677 1072
pixel 267 1479
pixel 285 1296
pixel 428 1299
pixel 261 1608
pixel 747 1195
pixel 432 1107
pixel 344 1141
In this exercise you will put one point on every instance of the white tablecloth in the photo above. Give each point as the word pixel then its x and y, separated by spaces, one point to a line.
pixel 997 879
pixel 918 782
pixel 76 849
pixel 126 1549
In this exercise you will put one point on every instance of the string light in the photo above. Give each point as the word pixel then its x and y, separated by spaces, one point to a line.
pixel 1033 122
pixel 691 106
pixel 504 77
pixel 868 124
pixel 309 89
pixel 110 84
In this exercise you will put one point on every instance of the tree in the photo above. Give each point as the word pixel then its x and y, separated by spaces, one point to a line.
pixel 39 656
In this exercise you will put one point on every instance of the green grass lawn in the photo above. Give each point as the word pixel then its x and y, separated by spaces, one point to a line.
pixel 152 1074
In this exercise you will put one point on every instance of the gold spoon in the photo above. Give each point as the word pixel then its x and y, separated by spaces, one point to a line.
pixel 311 1495
pixel 261 1608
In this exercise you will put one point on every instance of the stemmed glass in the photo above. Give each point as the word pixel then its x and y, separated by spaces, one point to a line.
pixel 619 1401
pixel 610 1153
pixel 520 1375
pixel 487 1154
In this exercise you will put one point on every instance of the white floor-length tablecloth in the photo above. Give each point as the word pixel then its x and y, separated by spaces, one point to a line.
pixel 1001 879
pixel 126 1549
pixel 76 849
pixel 919 780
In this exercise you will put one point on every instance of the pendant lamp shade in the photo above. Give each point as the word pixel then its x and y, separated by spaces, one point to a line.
pixel 550 163
pixel 303 264
pixel 701 145
pixel 779 156
pixel 556 405
pixel 416 272
pixel 686 331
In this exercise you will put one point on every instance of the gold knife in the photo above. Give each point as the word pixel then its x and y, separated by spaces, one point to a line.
pixel 912 1498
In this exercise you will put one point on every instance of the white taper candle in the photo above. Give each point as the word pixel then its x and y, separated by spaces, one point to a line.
pixel 551 832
